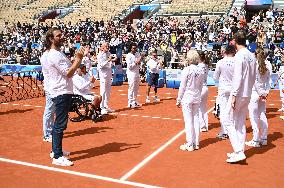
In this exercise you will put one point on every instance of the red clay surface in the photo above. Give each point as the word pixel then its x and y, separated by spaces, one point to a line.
pixel 114 146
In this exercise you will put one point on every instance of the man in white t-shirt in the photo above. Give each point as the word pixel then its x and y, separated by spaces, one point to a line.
pixel 133 61
pixel 60 89
pixel 154 65
pixel 237 108
pixel 224 74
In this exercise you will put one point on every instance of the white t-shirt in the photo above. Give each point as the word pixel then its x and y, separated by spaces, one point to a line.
pixel 58 66
pixel 153 66
pixel 224 73
pixel 191 85
pixel 82 84
pixel 132 67
pixel 244 73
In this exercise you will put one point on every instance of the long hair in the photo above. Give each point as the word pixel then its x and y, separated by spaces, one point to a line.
pixel 260 56
pixel 48 37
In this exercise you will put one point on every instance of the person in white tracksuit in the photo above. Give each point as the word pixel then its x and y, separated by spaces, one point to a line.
pixel 133 60
pixel 189 97
pixel 105 62
pixel 257 103
pixel 203 116
pixel 281 86
pixel 243 81
pixel 224 74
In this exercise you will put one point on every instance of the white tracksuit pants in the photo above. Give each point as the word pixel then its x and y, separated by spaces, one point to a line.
pixel 105 88
pixel 281 87
pixel 191 121
pixel 203 116
pixel 258 117
pixel 223 102
pixel 133 87
pixel 235 122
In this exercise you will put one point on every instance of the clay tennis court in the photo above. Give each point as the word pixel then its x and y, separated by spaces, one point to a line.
pixel 134 148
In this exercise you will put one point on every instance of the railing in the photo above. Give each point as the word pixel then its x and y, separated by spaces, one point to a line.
pixel 21 85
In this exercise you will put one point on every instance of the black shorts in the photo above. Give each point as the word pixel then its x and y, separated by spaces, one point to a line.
pixel 153 80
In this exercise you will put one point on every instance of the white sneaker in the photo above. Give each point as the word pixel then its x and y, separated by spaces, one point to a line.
pixel 135 105
pixel 47 138
pixel 282 117
pixel 252 143
pixel 187 147
pixel 263 142
pixel 222 136
pixel 148 100
pixel 236 158
pixel 156 99
pixel 104 111
pixel 281 110
pixel 65 153
pixel 109 110
pixel 62 161
pixel 196 147
pixel 203 129
pixel 230 154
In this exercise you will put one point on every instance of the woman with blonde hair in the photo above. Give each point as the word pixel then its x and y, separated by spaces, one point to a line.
pixel 257 105
pixel 189 97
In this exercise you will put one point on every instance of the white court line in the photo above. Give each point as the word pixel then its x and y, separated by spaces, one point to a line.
pixel 122 94
pixel 4 103
pixel 154 154
pixel 169 97
pixel 166 118
pixel 145 116
pixel 271 104
pixel 15 104
pixel 134 115
pixel 27 105
pixel 212 100
pixel 177 119
pixel 156 117
pixel 168 93
pixel 123 114
pixel 93 176
pixel 38 106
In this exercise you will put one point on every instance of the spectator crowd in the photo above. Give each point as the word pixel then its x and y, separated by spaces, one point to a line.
pixel 22 43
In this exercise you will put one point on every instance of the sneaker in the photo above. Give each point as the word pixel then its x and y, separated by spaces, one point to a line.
pixel 104 111
pixel 203 129
pixel 156 99
pixel 187 147
pixel 65 153
pixel 252 143
pixel 229 155
pixel 281 110
pixel 236 158
pixel 47 138
pixel 62 161
pixel 109 110
pixel 196 147
pixel 135 105
pixel 263 142
pixel 222 136
pixel 148 100
pixel 282 117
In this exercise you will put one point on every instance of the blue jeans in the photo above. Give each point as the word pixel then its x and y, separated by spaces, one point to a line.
pixel 48 116
pixel 62 104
